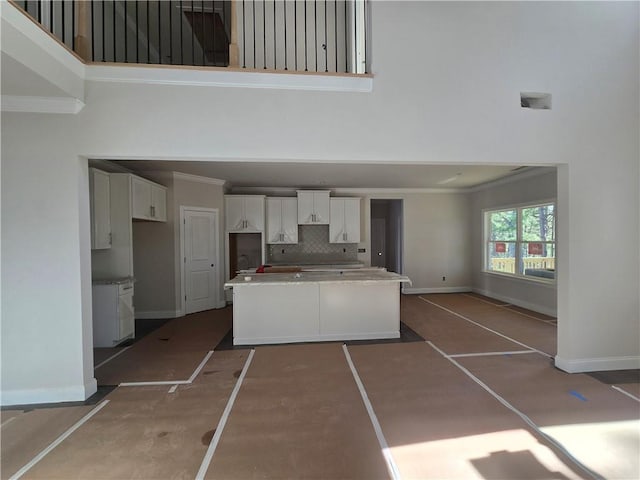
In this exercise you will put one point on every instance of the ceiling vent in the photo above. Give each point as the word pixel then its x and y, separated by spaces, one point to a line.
pixel 536 101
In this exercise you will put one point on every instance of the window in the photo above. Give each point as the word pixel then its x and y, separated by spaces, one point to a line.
pixel 521 241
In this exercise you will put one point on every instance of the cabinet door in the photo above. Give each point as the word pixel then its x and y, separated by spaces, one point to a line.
pixel 158 203
pixel 126 315
pixel 254 213
pixel 305 208
pixel 321 208
pixel 290 220
pixel 337 226
pixel 100 200
pixel 313 207
pixel 140 198
pixel 352 220
pixel 233 213
pixel 274 220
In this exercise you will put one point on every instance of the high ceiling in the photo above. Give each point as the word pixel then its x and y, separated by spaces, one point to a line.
pixel 331 175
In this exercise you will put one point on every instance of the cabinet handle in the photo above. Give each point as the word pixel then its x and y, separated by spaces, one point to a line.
pixel 344 236
pixel 110 238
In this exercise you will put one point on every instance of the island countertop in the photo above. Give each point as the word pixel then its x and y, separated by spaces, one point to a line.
pixel 301 278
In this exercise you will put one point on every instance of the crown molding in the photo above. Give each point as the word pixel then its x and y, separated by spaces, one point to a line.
pixel 291 191
pixel 27 104
pixel 197 178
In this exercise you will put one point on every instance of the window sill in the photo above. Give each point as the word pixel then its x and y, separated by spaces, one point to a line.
pixel 546 282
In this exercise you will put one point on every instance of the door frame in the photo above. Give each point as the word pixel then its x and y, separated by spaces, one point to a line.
pixel 219 301
pixel 402 242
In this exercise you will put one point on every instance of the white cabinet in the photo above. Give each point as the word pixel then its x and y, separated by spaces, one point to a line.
pixel 113 314
pixel 313 207
pixel 244 213
pixel 282 220
pixel 100 199
pixel 345 220
pixel 149 200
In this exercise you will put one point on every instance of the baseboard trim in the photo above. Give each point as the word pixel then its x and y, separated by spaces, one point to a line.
pixel 412 291
pixel 77 393
pixel 517 302
pixel 316 338
pixel 597 364
pixel 157 314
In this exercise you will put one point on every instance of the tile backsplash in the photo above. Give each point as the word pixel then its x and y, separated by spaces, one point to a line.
pixel 313 247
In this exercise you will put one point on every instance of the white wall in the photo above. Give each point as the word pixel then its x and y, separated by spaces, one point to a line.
pixel 459 104
pixel 156 245
pixel 153 261
pixel 46 326
pixel 436 240
pixel 531 294
pixel 197 193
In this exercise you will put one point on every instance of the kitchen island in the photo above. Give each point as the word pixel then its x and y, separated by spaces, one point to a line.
pixel 315 306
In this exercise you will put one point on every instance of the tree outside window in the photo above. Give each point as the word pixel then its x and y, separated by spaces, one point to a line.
pixel 521 241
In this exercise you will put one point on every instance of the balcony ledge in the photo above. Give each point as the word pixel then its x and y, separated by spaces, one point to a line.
pixel 227 77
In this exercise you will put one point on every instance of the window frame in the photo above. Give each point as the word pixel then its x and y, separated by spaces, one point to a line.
pixel 519 242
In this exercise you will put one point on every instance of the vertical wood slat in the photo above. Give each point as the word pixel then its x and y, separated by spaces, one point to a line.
pixel 84 35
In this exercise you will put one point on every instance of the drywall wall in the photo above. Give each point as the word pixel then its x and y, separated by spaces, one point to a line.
pixel 436 240
pixel 156 245
pixel 46 329
pixel 459 104
pixel 436 233
pixel 153 260
pixel 191 191
pixel 538 296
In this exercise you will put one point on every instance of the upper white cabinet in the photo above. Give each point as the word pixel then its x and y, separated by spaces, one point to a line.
pixel 244 213
pixel 282 220
pixel 100 200
pixel 149 200
pixel 313 207
pixel 345 220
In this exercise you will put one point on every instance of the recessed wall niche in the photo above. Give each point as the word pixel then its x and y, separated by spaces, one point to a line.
pixel 535 100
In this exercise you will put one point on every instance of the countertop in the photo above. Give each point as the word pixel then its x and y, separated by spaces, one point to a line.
pixel 113 281
pixel 305 265
pixel 337 276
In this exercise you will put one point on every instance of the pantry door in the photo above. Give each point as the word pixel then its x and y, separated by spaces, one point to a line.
pixel 200 259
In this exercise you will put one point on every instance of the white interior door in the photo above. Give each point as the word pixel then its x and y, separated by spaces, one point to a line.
pixel 200 259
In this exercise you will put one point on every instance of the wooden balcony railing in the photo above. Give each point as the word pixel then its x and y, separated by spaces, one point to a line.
pixel 301 35
pixel 508 265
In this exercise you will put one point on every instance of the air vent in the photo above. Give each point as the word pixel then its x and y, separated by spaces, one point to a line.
pixel 536 101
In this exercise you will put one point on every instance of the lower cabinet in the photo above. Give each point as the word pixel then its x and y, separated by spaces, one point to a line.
pixel 113 314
